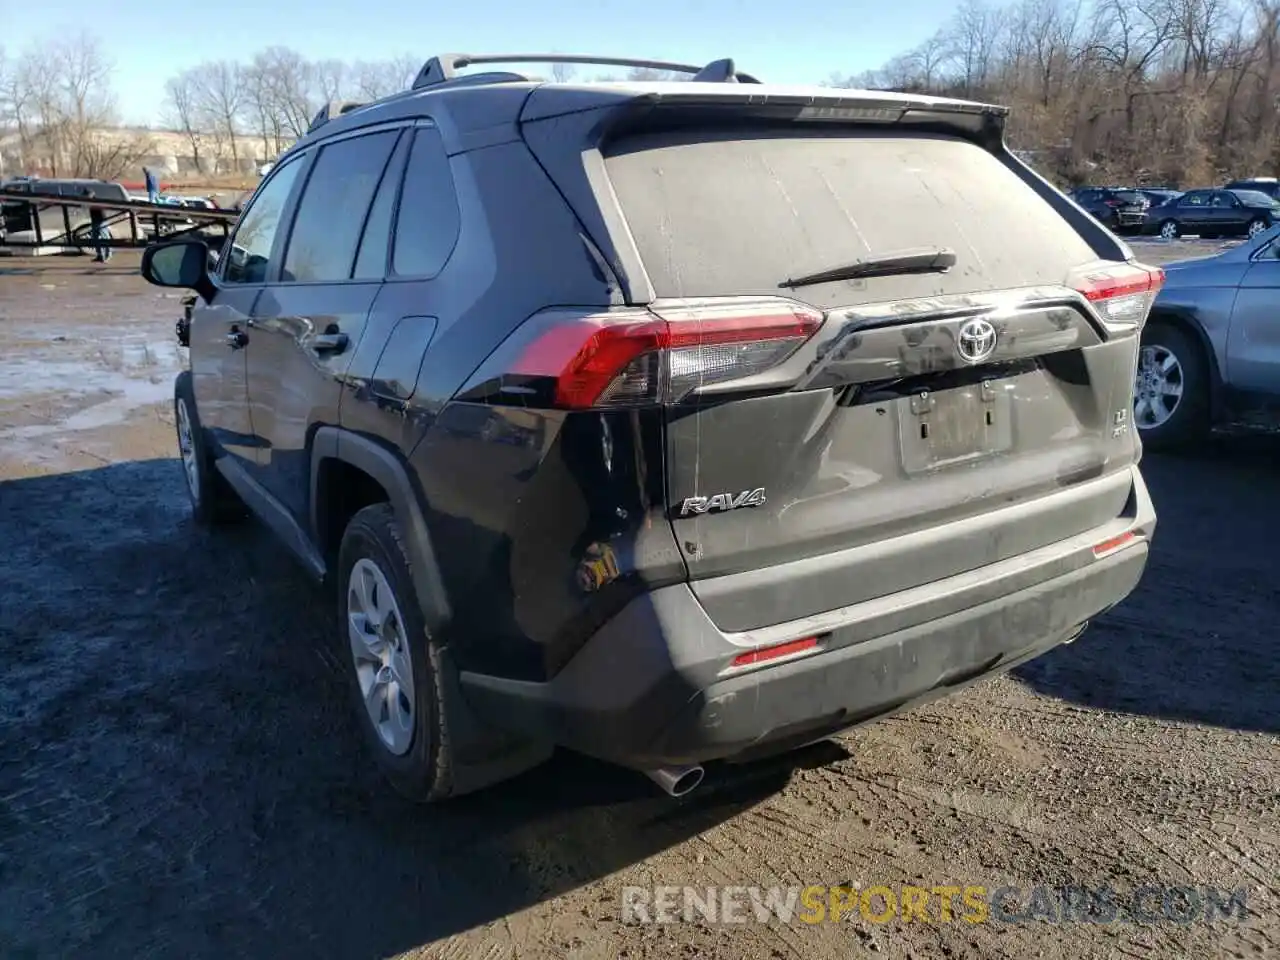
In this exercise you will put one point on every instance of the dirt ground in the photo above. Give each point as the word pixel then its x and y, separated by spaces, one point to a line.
pixel 180 776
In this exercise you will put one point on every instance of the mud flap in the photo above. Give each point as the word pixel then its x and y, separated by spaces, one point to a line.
pixel 482 754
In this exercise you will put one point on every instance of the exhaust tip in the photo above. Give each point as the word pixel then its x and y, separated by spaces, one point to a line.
pixel 676 781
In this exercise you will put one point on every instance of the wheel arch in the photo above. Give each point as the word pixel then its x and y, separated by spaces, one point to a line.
pixel 387 469
pixel 482 754
pixel 1183 319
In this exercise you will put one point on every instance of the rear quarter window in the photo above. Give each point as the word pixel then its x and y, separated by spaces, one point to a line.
pixel 737 212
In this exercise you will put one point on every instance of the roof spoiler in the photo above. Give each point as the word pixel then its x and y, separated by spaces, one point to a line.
pixel 443 68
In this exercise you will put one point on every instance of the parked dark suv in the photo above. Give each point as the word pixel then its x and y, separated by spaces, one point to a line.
pixel 1118 208
pixel 668 422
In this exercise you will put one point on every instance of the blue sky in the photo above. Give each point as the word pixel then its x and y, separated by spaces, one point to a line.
pixel 785 41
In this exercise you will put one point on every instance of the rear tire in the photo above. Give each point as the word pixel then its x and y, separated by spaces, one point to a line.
pixel 1256 226
pixel 1171 389
pixel 393 666
pixel 213 502
pixel 1169 230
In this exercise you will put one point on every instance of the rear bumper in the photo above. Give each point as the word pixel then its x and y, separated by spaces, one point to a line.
pixel 655 685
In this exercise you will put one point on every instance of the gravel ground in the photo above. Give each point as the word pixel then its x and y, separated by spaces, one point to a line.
pixel 179 774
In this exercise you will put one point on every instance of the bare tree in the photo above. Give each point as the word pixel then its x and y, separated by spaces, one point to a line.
pixel 375 80
pixel 181 111
pixel 329 78
pixel 649 74
pixel 970 40
pixel 57 98
pixel 220 92
pixel 286 79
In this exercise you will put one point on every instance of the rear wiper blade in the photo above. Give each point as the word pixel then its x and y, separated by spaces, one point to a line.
pixel 895 264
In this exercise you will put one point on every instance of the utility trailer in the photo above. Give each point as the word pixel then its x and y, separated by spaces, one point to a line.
pixel 34 222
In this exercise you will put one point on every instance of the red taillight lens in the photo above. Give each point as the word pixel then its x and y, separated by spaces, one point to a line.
pixel 1113 543
pixel 622 357
pixel 1121 294
pixel 763 654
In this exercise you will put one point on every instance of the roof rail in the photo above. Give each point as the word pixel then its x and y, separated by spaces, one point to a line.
pixel 443 68
pixel 331 111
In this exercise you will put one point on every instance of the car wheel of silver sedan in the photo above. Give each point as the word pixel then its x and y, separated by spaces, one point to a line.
pixel 1170 388
pixel 1158 386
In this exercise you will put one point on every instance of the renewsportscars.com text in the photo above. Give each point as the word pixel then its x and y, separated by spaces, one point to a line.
pixel 939 904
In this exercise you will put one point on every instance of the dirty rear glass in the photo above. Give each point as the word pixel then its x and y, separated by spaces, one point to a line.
pixel 727 213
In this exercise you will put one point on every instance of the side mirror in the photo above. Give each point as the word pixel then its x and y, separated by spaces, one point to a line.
pixel 184 263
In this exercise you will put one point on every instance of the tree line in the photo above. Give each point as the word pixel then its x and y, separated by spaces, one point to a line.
pixel 1184 92
pixel 56 99
pixel 270 99
pixel 1179 92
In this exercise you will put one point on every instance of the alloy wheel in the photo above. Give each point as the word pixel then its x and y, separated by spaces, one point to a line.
pixel 1157 388
pixel 380 653
pixel 187 448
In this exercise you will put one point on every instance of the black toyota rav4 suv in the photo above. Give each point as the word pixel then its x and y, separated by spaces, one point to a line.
pixel 666 421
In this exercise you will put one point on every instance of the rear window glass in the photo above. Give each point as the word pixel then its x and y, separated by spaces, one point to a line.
pixel 1128 196
pixel 738 212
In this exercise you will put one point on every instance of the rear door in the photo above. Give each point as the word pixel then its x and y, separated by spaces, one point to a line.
pixel 1193 211
pixel 863 465
pixel 311 316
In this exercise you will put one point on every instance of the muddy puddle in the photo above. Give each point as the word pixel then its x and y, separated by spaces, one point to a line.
pixel 55 384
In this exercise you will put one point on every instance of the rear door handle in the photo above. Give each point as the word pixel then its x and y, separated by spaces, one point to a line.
pixel 237 338
pixel 329 342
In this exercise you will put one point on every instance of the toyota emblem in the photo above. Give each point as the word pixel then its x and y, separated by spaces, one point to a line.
pixel 976 341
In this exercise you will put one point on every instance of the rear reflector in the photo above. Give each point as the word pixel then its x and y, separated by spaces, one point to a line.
pixel 774 652
pixel 1113 543
pixel 1122 295
pixel 634 356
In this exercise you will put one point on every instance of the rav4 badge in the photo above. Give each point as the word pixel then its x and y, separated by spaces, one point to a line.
pixel 721 502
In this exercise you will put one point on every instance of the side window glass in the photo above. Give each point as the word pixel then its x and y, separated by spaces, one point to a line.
pixel 428 219
pixel 249 249
pixel 334 204
pixel 371 261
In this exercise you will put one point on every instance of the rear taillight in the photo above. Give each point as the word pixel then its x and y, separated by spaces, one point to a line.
pixel 1122 294
pixel 583 359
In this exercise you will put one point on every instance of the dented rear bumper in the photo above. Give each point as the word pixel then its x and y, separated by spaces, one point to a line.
pixel 656 685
